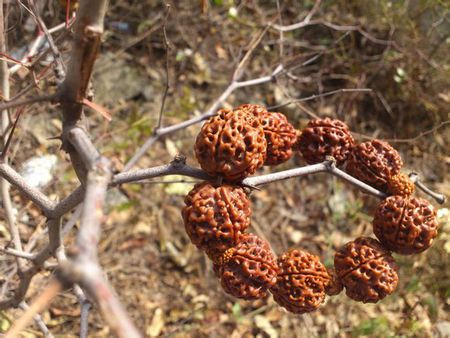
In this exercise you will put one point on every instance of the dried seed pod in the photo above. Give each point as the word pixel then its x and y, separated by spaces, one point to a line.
pixel 374 162
pixel 334 286
pixel 231 144
pixel 280 136
pixel 250 269
pixel 400 184
pixel 215 218
pixel 405 225
pixel 301 282
pixel 366 269
pixel 325 137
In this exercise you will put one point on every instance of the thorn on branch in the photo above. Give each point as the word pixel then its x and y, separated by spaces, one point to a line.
pixel 179 160
pixel 8 141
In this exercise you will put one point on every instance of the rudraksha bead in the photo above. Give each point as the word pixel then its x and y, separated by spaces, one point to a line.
pixel 366 269
pixel 249 270
pixel 374 162
pixel 301 282
pixel 231 144
pixel 280 136
pixel 254 109
pixel 405 225
pixel 325 137
pixel 400 184
pixel 216 217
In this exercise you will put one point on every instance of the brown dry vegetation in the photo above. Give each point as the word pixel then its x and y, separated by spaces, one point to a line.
pixel 166 284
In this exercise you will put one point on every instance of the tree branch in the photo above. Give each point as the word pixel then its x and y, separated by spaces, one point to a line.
pixel 37 197
pixel 88 31
pixel 440 198
pixel 206 115
pixel 84 269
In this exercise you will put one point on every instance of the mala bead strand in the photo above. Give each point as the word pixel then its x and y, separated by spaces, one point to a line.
pixel 233 145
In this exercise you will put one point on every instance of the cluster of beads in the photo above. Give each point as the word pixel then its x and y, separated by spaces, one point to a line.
pixel 233 145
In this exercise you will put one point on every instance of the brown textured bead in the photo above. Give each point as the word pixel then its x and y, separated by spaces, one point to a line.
pixel 250 270
pixel 400 184
pixel 280 136
pixel 215 218
pixel 334 286
pixel 325 137
pixel 301 282
pixel 405 225
pixel 254 109
pixel 374 162
pixel 366 269
pixel 231 144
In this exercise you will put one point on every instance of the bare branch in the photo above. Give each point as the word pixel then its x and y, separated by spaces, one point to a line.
pixel 84 269
pixel 37 197
pixel 178 167
pixel 60 68
pixel 68 203
pixel 206 115
pixel 88 31
pixel 167 47
pixel 34 48
pixel 28 100
pixel 440 198
pixel 5 121
pixel 17 253
pixel 84 315
pixel 42 301
pixel 38 320
pixel 316 96
pixel 83 145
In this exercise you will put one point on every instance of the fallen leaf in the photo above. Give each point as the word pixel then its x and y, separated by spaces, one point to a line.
pixel 157 324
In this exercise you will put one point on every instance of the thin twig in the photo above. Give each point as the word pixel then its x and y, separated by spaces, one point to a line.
pixel 28 100
pixel 60 67
pixel 25 61
pixel 5 121
pixel 440 198
pixel 206 115
pixel 41 302
pixel 38 320
pixel 36 196
pixel 85 306
pixel 17 253
pixel 167 87
pixel 316 96
pixel 178 167
pixel 4 154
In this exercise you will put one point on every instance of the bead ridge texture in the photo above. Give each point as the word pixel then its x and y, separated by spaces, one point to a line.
pixel 280 136
pixel 405 225
pixel 251 269
pixel 325 137
pixel 215 218
pixel 231 144
pixel 301 282
pixel 374 162
pixel 366 269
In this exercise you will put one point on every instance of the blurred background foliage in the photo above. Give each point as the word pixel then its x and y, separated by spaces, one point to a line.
pixel 399 49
